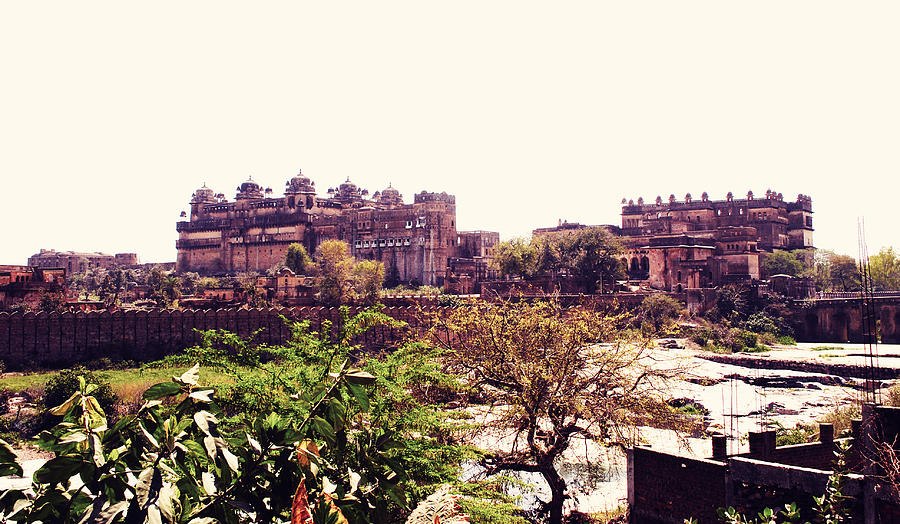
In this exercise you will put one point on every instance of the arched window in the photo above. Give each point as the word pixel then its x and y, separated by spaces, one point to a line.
pixel 635 265
pixel 645 264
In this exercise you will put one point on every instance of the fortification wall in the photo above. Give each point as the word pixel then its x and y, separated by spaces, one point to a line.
pixel 60 340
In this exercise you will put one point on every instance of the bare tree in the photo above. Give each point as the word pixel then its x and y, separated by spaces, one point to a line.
pixel 554 374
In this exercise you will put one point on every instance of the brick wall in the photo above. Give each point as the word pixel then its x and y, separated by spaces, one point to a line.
pixel 58 340
pixel 666 488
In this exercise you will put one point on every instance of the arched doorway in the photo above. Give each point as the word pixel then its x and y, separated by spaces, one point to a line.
pixel 841 327
pixel 811 326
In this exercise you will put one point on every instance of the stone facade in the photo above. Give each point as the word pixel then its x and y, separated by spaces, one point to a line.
pixel 690 244
pixel 252 233
pixel 675 245
pixel 26 285
pixel 75 262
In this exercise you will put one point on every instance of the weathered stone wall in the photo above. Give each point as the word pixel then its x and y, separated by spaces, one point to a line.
pixel 59 340
pixel 840 320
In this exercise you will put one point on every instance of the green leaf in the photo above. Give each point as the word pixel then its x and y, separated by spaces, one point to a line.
pixel 75 436
pixel 108 515
pixel 358 376
pixel 59 469
pixel 9 464
pixel 153 515
pixel 230 459
pixel 360 394
pixel 253 443
pixel 150 438
pixel 204 395
pixel 323 428
pixel 210 444
pixel 64 408
pixel 195 447
pixel 209 483
pixel 163 389
pixel 167 495
pixel 190 376
pixel 203 419
pixel 144 483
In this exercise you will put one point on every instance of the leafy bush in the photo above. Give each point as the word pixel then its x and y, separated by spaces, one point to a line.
pixel 64 384
pixel 701 335
pixel 761 323
pixel 176 465
pixel 840 417
pixel 659 311
pixel 767 339
pixel 688 406
pixel 786 340
pixel 5 395
pixel 799 434
pixel 256 381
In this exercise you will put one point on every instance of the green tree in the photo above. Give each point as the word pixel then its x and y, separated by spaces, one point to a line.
pixel 517 257
pixel 342 280
pixel 368 277
pixel 781 263
pixel 112 285
pixel 188 282
pixel 163 286
pixel 540 366
pixel 335 265
pixel 660 311
pixel 52 303
pixel 588 255
pixel 884 267
pixel 834 272
pixel 296 259
pixel 844 273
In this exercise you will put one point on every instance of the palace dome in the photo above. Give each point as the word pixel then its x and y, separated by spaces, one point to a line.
pixel 391 195
pixel 299 184
pixel 204 195
pixel 249 189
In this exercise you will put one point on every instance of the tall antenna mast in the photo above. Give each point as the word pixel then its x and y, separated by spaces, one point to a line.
pixel 869 318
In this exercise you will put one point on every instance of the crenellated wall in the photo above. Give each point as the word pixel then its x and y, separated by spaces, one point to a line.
pixel 59 340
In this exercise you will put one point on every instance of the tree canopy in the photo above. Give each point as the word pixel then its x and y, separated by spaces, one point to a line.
pixel 342 279
pixel 884 267
pixel 553 374
pixel 588 256
pixel 834 272
pixel 297 259
pixel 781 263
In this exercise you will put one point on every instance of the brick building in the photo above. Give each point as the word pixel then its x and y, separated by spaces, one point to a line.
pixel 253 232
pixel 676 245
pixel 26 285
pixel 706 243
pixel 75 262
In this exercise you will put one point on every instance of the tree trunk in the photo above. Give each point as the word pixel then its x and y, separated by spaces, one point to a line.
pixel 558 494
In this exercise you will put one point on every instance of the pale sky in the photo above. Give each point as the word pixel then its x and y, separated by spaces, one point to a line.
pixel 113 113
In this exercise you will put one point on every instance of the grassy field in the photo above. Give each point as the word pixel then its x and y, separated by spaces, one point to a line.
pixel 128 384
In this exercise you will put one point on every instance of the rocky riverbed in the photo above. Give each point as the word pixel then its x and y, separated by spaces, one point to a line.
pixel 788 386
